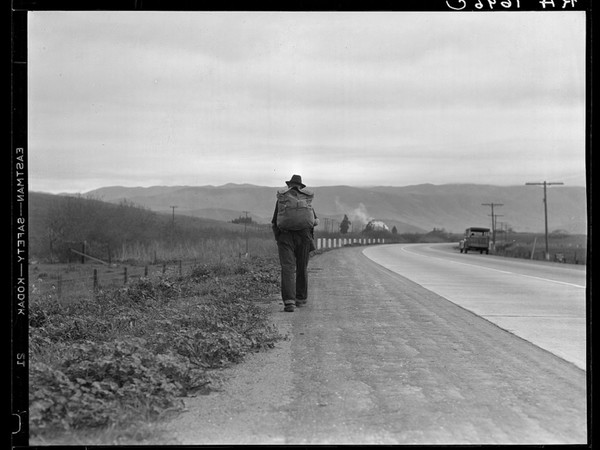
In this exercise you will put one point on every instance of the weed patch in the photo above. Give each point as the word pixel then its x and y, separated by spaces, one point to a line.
pixel 130 354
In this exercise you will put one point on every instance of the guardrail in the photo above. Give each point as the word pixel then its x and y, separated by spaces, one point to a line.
pixel 327 243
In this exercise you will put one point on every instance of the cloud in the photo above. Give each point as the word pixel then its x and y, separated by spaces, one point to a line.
pixel 261 95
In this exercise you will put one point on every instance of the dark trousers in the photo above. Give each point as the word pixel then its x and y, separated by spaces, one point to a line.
pixel 294 249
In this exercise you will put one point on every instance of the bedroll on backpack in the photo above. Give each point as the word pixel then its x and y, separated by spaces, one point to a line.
pixel 294 209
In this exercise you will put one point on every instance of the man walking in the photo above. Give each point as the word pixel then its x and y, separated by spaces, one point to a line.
pixel 293 225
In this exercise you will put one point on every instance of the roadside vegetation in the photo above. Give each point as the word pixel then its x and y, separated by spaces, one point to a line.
pixel 106 368
pixel 562 246
pixel 107 365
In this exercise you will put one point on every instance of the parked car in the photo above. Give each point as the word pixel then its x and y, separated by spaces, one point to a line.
pixel 476 238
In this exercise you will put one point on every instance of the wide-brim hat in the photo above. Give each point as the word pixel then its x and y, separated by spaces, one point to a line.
pixel 296 179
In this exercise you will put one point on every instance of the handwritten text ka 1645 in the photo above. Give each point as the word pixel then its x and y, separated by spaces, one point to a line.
pixel 459 5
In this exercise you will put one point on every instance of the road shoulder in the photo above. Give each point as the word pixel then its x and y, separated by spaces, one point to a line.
pixel 247 409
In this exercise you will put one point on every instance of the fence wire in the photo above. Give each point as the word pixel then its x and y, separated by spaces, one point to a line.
pixel 98 278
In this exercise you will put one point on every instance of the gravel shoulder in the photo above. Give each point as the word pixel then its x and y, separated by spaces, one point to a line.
pixel 246 408
pixel 377 359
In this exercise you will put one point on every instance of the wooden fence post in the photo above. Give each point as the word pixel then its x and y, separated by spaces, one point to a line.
pixel 95 280
pixel 145 271
pixel 124 275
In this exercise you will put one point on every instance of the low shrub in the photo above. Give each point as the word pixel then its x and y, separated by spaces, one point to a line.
pixel 107 383
pixel 131 353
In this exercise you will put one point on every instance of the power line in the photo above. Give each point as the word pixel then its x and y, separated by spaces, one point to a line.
pixel 545 184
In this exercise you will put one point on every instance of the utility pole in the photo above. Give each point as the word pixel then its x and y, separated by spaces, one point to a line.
pixel 544 183
pixel 493 222
pixel 173 208
pixel 172 232
pixel 245 232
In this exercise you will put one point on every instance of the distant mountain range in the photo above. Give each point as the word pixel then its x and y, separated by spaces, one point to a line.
pixel 418 208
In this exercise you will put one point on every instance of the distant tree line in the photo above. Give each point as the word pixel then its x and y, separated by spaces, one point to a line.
pixel 243 220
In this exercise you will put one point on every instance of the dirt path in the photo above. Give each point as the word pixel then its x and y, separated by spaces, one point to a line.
pixel 375 358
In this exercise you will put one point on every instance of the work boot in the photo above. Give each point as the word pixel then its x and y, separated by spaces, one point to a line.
pixel 300 302
pixel 289 307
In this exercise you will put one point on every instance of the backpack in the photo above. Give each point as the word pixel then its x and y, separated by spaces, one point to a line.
pixel 294 209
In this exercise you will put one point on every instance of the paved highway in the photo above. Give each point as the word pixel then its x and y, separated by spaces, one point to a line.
pixel 376 358
pixel 542 302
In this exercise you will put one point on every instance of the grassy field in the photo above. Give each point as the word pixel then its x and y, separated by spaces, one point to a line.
pixel 62 226
pixel 570 249
pixel 83 275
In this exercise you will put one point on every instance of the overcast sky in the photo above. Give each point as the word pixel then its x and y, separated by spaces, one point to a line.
pixel 394 98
